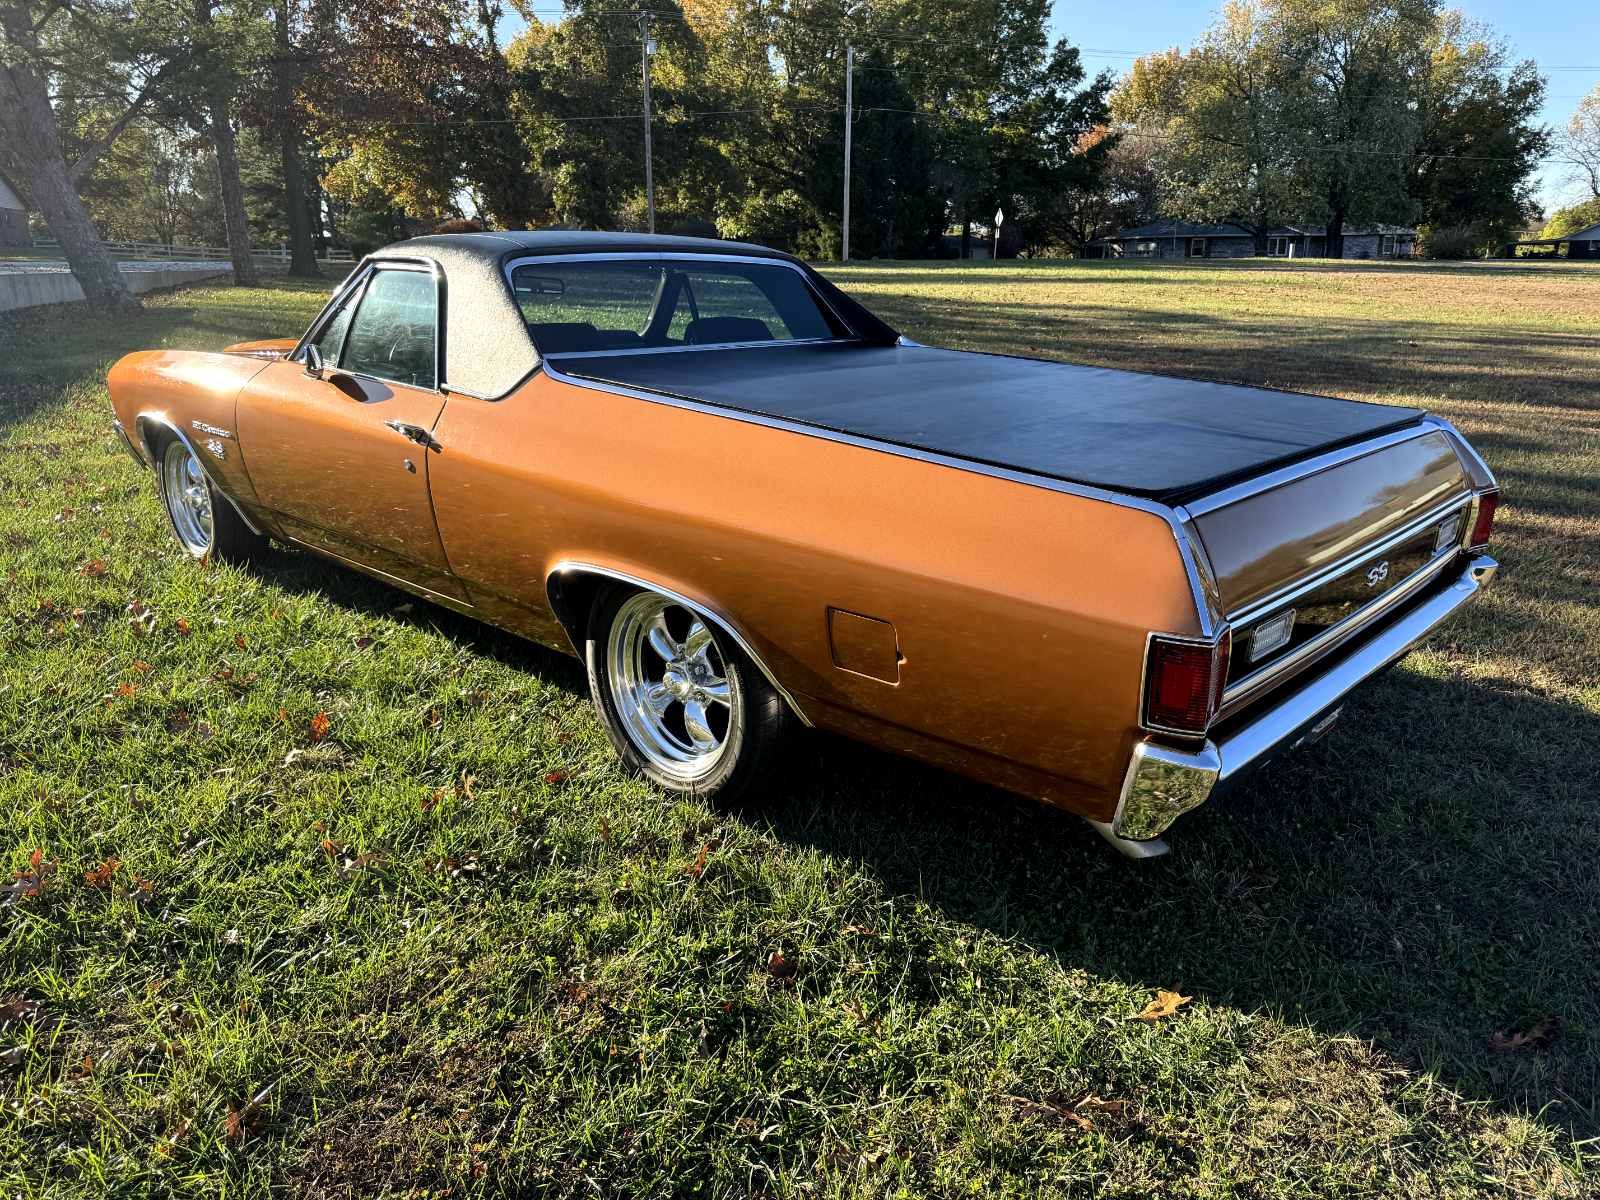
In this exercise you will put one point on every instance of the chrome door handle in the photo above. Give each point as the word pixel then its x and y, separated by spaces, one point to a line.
pixel 415 433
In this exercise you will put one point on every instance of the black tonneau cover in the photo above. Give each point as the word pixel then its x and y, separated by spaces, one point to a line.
pixel 1146 435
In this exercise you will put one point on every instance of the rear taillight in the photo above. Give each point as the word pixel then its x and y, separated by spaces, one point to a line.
pixel 1184 682
pixel 1484 523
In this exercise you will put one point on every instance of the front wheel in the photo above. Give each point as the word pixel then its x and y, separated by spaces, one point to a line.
pixel 202 519
pixel 683 704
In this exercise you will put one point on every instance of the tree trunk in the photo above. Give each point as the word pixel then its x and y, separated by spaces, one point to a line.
pixel 966 237
pixel 238 221
pixel 302 254
pixel 29 125
pixel 1333 243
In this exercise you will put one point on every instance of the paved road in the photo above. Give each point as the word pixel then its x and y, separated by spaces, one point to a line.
pixel 47 268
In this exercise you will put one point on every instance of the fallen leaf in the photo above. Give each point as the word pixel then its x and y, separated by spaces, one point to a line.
pixel 183 628
pixel 605 830
pixel 858 930
pixel 139 666
pixel 402 608
pixel 558 776
pixel 33 882
pixel 18 1011
pixel 466 785
pixel 1540 1035
pixel 85 1071
pixel 1059 1107
pixel 363 642
pixel 781 968
pixel 1263 877
pixel 94 567
pixel 319 727
pixel 698 866
pixel 100 877
pixel 1166 1004
pixel 238 640
pixel 13 1058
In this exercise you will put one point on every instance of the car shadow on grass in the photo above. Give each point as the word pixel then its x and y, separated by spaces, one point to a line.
pixel 1423 878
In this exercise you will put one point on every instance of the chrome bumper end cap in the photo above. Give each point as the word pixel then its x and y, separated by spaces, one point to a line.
pixel 1150 848
pixel 1162 783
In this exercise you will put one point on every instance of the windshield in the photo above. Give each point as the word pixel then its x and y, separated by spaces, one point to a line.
pixel 599 305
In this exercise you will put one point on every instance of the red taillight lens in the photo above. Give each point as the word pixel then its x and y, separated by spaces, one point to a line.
pixel 1487 503
pixel 1185 684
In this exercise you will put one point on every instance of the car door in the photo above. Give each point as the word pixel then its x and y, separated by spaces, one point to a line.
pixel 343 453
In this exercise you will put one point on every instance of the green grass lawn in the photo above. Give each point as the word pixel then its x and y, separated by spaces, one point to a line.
pixel 548 979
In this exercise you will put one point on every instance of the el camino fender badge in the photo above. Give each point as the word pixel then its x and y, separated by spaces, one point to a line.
pixel 211 429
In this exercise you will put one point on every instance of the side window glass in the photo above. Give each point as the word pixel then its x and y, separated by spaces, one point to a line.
pixel 331 340
pixel 392 336
pixel 586 306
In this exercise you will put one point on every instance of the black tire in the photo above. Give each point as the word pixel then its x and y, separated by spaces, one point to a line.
pixel 202 519
pixel 756 721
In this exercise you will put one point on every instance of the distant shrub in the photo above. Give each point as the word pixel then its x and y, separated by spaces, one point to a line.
pixel 1452 241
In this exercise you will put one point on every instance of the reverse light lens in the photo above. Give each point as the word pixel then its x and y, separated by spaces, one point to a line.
pixel 1185 684
pixel 1487 503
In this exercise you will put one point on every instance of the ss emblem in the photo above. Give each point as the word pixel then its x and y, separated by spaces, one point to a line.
pixel 1378 574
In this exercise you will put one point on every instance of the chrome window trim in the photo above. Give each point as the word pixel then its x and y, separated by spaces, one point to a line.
pixel 356 279
pixel 722 621
pixel 1303 470
pixel 708 346
pixel 157 417
pixel 1308 583
pixel 662 256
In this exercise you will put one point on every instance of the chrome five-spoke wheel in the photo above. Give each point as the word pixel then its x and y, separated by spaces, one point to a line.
pixel 670 686
pixel 188 497
pixel 682 701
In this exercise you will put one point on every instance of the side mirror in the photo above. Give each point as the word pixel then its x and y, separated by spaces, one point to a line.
pixel 313 361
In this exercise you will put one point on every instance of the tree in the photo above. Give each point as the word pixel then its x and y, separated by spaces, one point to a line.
pixel 1479 144
pixel 285 124
pixel 1357 60
pixel 41 41
pixel 1230 111
pixel 1571 219
pixel 1578 143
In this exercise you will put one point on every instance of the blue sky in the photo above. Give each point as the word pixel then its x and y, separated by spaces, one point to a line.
pixel 1113 35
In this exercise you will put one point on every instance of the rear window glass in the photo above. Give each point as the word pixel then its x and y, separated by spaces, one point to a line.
pixel 590 307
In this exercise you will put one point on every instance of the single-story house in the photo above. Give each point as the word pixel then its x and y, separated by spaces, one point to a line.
pixel 1190 239
pixel 1582 243
pixel 14 210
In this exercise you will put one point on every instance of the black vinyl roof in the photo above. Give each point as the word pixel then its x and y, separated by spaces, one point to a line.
pixel 1147 435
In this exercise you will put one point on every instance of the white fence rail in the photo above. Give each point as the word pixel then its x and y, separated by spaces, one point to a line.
pixel 129 250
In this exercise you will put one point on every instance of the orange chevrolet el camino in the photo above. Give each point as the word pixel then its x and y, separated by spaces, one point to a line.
pixel 747 503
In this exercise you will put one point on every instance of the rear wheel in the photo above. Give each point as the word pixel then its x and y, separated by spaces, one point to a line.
pixel 202 519
pixel 683 705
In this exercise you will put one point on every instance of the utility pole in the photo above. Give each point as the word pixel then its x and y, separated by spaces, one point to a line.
pixel 849 95
pixel 649 171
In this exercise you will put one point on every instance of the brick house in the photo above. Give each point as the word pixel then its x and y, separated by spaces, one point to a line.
pixel 14 209
pixel 1191 239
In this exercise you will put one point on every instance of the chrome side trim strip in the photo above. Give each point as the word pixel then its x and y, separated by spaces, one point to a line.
pixel 146 420
pixel 1300 470
pixel 1163 782
pixel 850 439
pixel 722 621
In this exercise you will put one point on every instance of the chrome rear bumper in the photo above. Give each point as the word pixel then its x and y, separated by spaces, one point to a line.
pixel 1163 783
